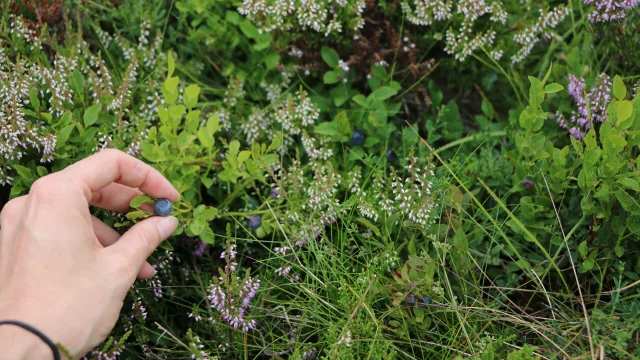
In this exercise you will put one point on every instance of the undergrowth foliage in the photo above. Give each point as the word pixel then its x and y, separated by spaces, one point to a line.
pixel 342 197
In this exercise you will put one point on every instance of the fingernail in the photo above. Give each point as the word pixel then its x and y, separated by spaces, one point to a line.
pixel 154 272
pixel 166 226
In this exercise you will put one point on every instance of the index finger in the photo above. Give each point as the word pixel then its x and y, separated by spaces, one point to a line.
pixel 113 166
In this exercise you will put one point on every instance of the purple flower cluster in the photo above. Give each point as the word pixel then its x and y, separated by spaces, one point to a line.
pixel 592 105
pixel 230 295
pixel 610 10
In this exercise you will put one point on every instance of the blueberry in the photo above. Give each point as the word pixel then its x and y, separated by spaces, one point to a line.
pixel 426 299
pixel 254 221
pixel 391 156
pixel 163 207
pixel 357 138
pixel 411 299
pixel 274 193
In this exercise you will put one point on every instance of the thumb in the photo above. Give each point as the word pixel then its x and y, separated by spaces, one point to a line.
pixel 135 246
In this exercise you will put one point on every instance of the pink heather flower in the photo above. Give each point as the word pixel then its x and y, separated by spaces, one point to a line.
pixel 591 105
pixel 610 10
pixel 231 295
pixel 200 249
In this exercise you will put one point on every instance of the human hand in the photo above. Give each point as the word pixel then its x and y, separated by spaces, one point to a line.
pixel 62 270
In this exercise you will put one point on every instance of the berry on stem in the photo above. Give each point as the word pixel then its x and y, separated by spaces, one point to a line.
pixel 357 138
pixel 391 156
pixel 254 221
pixel 162 207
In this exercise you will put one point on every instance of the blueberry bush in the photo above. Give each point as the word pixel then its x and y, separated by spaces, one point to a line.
pixel 360 179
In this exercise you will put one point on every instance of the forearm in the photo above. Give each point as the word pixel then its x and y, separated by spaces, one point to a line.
pixel 20 344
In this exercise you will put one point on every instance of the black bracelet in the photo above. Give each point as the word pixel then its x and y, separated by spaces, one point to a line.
pixel 36 332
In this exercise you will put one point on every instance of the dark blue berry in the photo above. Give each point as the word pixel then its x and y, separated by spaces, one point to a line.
pixel 391 156
pixel 411 299
pixel 357 138
pixel 426 299
pixel 274 193
pixel 162 207
pixel 254 221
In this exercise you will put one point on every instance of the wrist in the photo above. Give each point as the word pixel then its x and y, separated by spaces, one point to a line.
pixel 20 344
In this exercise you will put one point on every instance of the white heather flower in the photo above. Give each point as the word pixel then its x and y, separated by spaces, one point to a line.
pixel 496 54
pixel 343 65
pixel 345 339
pixel 295 52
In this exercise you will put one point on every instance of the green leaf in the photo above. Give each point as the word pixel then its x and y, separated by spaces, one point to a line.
pixel 619 90
pixel 77 82
pixel 190 97
pixel 384 93
pixel 192 121
pixel 171 65
pixel 487 108
pixel 553 88
pixel 137 201
pixel 419 312
pixel 244 156
pixel 207 235
pixel 33 97
pixel 628 202
pixel 176 111
pixel 63 135
pixel 330 56
pixel 46 116
pixel 276 143
pixel 630 184
pixel 249 30
pixel 342 123
pixel 24 172
pixel 536 94
pixel 185 139
pixel 42 171
pixel 65 119
pixel 330 77
pixel 327 128
pixel 170 90
pixel 590 140
pixel 546 77
pixel 213 124
pixel 205 139
pixel 197 226
pixel 210 213
pixel 583 249
pixel 207 182
pixel 361 100
pixel 152 153
pixel 138 214
pixel 623 110
pixel 272 60
pixel 369 226
pixel 340 95
pixel 588 264
pixel 167 245
pixel 618 142
pixel 524 264
pixel 91 114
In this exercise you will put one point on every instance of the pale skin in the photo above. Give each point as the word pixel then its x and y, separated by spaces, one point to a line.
pixel 65 272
